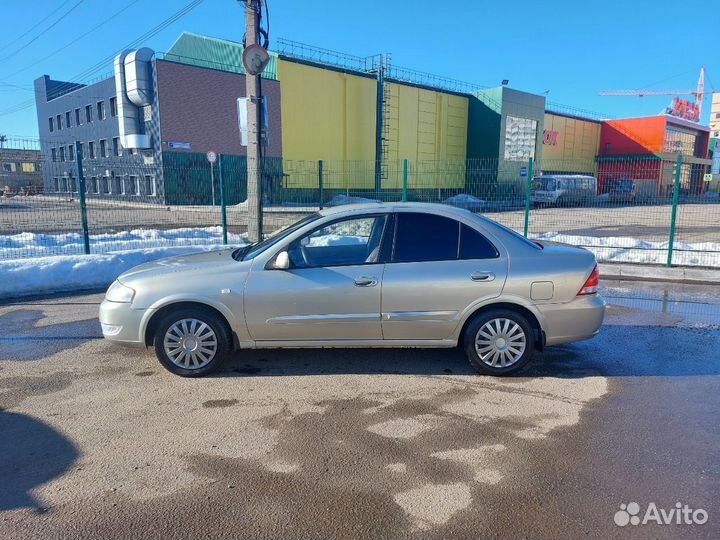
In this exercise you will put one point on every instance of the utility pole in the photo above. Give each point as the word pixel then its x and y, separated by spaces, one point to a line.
pixel 254 124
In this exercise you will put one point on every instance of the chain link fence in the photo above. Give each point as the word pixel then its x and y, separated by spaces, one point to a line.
pixel 99 198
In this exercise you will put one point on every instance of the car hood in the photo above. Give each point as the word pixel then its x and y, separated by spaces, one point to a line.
pixel 191 262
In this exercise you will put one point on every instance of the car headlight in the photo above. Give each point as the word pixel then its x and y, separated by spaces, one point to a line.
pixel 119 293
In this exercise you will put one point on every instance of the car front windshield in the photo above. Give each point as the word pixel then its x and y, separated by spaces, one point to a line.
pixel 246 253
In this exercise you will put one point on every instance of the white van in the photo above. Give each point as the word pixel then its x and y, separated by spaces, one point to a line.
pixel 563 190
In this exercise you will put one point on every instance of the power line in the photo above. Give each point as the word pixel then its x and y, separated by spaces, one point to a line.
pixel 102 63
pixel 5 45
pixel 58 51
pixel 23 47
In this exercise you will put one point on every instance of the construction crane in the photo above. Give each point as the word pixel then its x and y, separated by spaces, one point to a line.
pixel 698 93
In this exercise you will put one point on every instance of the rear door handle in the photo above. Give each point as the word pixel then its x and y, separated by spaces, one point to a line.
pixel 366 281
pixel 482 276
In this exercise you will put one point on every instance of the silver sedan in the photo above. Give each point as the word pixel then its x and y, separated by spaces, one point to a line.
pixel 375 275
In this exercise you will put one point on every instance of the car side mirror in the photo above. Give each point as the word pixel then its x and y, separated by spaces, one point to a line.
pixel 280 262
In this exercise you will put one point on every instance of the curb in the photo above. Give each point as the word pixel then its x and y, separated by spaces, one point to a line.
pixel 638 272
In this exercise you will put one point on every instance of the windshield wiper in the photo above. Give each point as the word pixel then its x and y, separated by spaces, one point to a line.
pixel 240 252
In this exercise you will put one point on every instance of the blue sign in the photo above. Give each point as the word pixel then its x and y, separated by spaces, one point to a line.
pixel 179 145
pixel 523 172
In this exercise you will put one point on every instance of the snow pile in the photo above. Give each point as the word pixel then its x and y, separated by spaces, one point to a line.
pixel 626 249
pixel 42 245
pixel 23 277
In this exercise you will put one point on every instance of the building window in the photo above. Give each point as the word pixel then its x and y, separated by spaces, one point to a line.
pixel 53 155
pixel 73 184
pixel 520 137
pixel 103 148
pixel 104 185
pixel 56 184
pixel 117 149
pixel 58 122
pixel 63 184
pixel 68 119
pixel 8 167
pixel 93 185
pixel 134 185
pixel 82 150
pixel 62 153
pixel 88 114
pixel 78 119
pixel 91 150
pixel 117 185
pixel 101 110
pixel 28 167
pixel 149 185
pixel 113 107
pixel 71 152
pixel 681 142
pixel 51 124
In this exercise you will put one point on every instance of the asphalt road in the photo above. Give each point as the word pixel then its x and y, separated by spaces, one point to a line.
pixel 100 442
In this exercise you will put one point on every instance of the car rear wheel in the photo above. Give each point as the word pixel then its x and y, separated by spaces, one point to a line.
pixel 191 342
pixel 499 342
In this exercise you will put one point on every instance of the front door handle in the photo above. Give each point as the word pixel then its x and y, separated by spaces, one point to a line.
pixel 366 281
pixel 482 276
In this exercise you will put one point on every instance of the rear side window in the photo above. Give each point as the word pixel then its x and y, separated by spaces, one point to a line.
pixel 474 245
pixel 425 237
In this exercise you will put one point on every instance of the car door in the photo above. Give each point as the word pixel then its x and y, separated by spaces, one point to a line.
pixel 438 267
pixel 331 291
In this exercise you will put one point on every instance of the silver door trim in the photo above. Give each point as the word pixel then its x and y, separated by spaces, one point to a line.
pixel 323 319
pixel 419 315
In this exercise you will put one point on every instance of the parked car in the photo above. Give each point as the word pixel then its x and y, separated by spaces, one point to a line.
pixel 371 275
pixel 563 190
pixel 622 190
pixel 626 190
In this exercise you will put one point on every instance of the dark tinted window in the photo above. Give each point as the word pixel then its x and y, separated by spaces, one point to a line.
pixel 474 245
pixel 425 237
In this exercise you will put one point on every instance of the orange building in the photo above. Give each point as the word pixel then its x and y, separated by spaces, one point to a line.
pixel 647 149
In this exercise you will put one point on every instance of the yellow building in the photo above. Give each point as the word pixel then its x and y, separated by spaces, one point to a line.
pixel 330 114
pixel 570 144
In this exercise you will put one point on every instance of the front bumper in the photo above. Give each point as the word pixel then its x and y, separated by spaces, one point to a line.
pixel 121 323
pixel 576 320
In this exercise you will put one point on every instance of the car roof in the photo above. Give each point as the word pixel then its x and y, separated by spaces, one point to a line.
pixel 434 208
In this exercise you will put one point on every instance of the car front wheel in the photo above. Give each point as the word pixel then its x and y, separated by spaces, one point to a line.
pixel 499 342
pixel 191 342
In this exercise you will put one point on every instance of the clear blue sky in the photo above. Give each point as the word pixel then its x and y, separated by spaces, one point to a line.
pixel 571 49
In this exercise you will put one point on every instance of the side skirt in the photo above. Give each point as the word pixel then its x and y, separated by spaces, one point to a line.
pixel 348 344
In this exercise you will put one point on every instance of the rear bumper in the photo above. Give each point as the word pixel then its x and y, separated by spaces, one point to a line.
pixel 121 323
pixel 574 321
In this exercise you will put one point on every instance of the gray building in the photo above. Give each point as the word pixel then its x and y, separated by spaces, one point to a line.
pixel 20 169
pixel 144 132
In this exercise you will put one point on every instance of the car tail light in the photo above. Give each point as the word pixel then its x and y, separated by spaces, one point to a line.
pixel 591 285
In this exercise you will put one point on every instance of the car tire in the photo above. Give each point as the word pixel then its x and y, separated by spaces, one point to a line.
pixel 510 351
pixel 191 341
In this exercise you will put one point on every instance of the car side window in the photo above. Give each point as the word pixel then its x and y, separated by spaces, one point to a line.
pixel 346 242
pixel 425 237
pixel 474 245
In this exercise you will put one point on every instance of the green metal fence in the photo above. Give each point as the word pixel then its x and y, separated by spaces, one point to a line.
pixel 655 209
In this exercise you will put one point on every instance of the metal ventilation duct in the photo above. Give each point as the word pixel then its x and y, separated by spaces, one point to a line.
pixel 130 118
pixel 138 77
